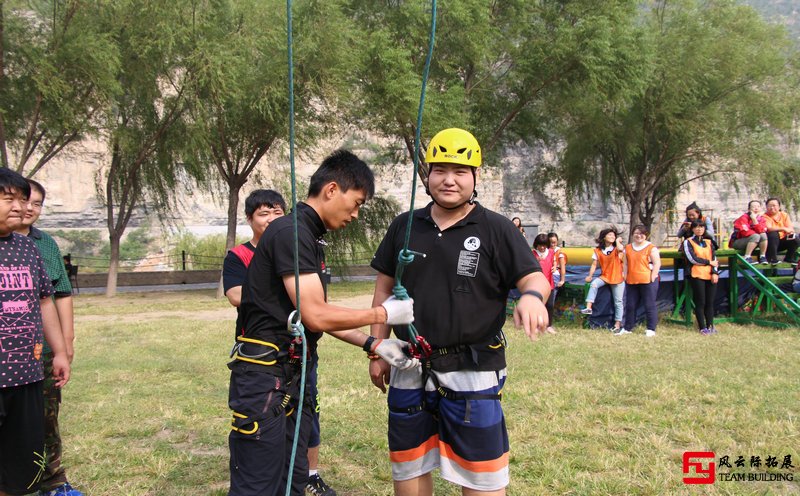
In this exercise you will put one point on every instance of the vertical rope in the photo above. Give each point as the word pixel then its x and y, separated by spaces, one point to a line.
pixel 405 257
pixel 295 320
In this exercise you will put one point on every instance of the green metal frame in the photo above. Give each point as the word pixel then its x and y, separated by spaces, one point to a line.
pixel 771 298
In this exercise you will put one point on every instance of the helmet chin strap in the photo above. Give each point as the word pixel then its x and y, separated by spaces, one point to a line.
pixel 471 200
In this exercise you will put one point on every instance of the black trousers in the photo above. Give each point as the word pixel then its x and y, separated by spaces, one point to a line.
pixel 775 245
pixel 21 438
pixel 704 293
pixel 261 449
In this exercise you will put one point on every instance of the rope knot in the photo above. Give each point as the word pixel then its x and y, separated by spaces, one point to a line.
pixel 405 257
pixel 400 292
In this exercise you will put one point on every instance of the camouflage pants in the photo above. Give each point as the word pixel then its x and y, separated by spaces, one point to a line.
pixel 54 474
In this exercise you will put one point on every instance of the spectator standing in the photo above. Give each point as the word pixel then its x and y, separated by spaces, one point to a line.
pixel 518 223
pixel 54 480
pixel 641 266
pixel 700 253
pixel 547 260
pixel 29 317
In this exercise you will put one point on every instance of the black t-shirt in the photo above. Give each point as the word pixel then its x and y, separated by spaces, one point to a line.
pixel 266 305
pixel 460 287
pixel 234 270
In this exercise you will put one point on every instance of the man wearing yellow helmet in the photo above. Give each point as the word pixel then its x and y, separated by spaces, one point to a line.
pixel 448 415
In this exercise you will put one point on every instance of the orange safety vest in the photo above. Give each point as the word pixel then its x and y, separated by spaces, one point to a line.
pixel 610 266
pixel 701 271
pixel 638 264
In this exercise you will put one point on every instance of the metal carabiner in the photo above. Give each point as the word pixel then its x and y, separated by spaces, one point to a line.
pixel 295 327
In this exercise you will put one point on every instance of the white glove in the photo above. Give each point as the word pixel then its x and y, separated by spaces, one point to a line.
pixel 393 351
pixel 398 312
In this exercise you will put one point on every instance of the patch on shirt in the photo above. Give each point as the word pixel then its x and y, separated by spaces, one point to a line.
pixel 468 263
pixel 472 243
pixel 15 306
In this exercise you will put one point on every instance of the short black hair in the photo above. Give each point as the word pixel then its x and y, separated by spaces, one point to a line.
pixel 260 197
pixel 642 229
pixel 541 240
pixel 698 223
pixel 750 203
pixel 11 181
pixel 775 199
pixel 346 170
pixel 36 185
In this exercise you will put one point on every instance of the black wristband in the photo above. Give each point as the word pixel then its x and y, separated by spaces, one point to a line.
pixel 533 293
pixel 368 344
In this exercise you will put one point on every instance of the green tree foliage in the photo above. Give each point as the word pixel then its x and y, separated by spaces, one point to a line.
pixel 240 105
pixel 143 125
pixel 81 243
pixel 495 64
pixel 56 75
pixel 356 243
pixel 714 92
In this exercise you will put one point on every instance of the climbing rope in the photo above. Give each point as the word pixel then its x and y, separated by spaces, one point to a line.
pixel 419 346
pixel 295 323
pixel 405 257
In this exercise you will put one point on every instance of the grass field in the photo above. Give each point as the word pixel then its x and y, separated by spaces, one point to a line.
pixel 588 414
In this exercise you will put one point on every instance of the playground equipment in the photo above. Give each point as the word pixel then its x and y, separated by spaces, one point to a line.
pixel 770 307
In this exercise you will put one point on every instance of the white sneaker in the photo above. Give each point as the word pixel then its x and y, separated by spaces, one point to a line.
pixel 650 333
pixel 621 332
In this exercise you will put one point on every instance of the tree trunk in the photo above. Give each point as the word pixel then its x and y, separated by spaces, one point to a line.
pixel 234 187
pixel 635 218
pixel 113 265
pixel 233 210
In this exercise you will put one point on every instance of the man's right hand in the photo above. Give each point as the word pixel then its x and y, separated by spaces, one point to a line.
pixel 399 312
pixel 61 369
pixel 379 373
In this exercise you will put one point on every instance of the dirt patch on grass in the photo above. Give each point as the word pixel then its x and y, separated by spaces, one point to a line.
pixel 225 313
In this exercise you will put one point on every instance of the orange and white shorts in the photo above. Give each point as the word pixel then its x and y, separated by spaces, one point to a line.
pixel 466 439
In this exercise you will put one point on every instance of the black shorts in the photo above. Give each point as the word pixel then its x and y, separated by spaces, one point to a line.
pixel 22 458
pixel 261 444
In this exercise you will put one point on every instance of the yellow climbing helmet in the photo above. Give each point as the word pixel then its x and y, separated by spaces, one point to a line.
pixel 454 146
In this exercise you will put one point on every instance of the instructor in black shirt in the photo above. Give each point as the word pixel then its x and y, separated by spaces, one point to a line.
pixel 265 372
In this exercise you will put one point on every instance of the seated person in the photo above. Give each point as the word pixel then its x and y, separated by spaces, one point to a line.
pixel 780 233
pixel 749 231
pixel 693 213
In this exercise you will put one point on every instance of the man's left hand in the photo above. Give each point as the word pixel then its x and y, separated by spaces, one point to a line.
pixel 531 314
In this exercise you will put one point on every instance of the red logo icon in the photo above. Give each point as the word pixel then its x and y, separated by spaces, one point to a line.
pixel 701 475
